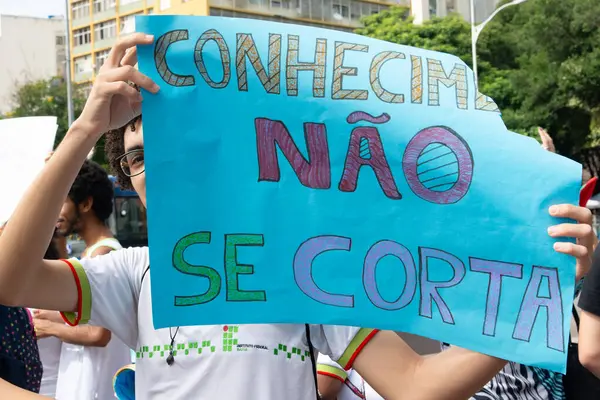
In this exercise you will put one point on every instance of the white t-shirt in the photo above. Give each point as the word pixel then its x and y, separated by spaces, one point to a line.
pixel 354 386
pixel 49 349
pixel 85 372
pixel 251 362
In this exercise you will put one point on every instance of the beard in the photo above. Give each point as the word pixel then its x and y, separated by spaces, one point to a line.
pixel 70 226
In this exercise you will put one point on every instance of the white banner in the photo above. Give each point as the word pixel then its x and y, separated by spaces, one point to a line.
pixel 24 145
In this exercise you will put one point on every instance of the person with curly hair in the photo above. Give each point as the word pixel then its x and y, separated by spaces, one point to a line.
pixel 89 355
pixel 87 208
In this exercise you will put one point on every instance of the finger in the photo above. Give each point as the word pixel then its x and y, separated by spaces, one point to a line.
pixel 546 138
pixel 130 57
pixel 118 51
pixel 578 231
pixel 547 142
pixel 123 89
pixel 579 214
pixel 128 73
pixel 572 249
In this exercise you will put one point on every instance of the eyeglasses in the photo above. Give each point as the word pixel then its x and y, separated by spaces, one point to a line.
pixel 132 162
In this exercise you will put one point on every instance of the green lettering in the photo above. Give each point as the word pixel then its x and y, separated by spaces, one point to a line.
pixel 233 269
pixel 200 270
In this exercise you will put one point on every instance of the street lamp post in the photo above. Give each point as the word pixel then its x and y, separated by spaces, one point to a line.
pixel 68 65
pixel 476 30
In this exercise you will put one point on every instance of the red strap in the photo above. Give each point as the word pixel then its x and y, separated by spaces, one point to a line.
pixel 587 191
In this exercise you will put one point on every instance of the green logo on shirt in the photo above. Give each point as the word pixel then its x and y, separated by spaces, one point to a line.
pixel 283 350
pixel 229 340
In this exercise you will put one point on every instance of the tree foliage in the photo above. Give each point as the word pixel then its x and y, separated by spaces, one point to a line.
pixel 540 62
pixel 49 98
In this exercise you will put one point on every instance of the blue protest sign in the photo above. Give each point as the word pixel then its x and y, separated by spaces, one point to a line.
pixel 301 175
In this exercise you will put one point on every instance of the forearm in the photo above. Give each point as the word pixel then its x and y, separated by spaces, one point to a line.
pixel 34 219
pixel 470 372
pixel 329 387
pixel 91 336
pixel 395 371
pixel 8 391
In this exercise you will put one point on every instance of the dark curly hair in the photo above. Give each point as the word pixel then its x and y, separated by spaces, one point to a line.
pixel 114 146
pixel 92 181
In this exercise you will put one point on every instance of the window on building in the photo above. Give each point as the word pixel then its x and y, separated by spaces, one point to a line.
pixel 340 11
pixel 451 6
pixel 101 57
pixel 355 13
pixel 82 36
pixel 125 2
pixel 103 5
pixel 285 4
pixel 105 30
pixel 60 40
pixel 80 9
pixel 164 4
pixel 83 64
pixel 151 11
pixel 128 24
pixel 433 8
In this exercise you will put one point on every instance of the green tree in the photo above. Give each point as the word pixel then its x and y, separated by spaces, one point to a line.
pixel 46 98
pixel 539 61
pixel 452 34
pixel 49 98
pixel 558 72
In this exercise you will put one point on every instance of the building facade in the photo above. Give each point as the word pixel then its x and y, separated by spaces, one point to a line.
pixel 32 49
pixel 95 24
pixel 423 10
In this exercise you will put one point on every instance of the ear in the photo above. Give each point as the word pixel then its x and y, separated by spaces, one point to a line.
pixel 86 205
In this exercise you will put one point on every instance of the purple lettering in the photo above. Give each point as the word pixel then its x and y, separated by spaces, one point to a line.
pixel 429 289
pixel 366 149
pixel 303 260
pixel 461 173
pixel 378 251
pixel 313 173
pixel 532 302
pixel 496 270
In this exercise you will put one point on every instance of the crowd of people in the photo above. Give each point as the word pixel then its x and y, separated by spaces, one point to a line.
pixel 62 356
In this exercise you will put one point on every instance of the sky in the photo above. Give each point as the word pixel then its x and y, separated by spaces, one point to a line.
pixel 34 8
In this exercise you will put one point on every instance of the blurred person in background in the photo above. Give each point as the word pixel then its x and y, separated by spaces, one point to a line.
pixel 21 362
pixel 90 355
pixel 589 329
